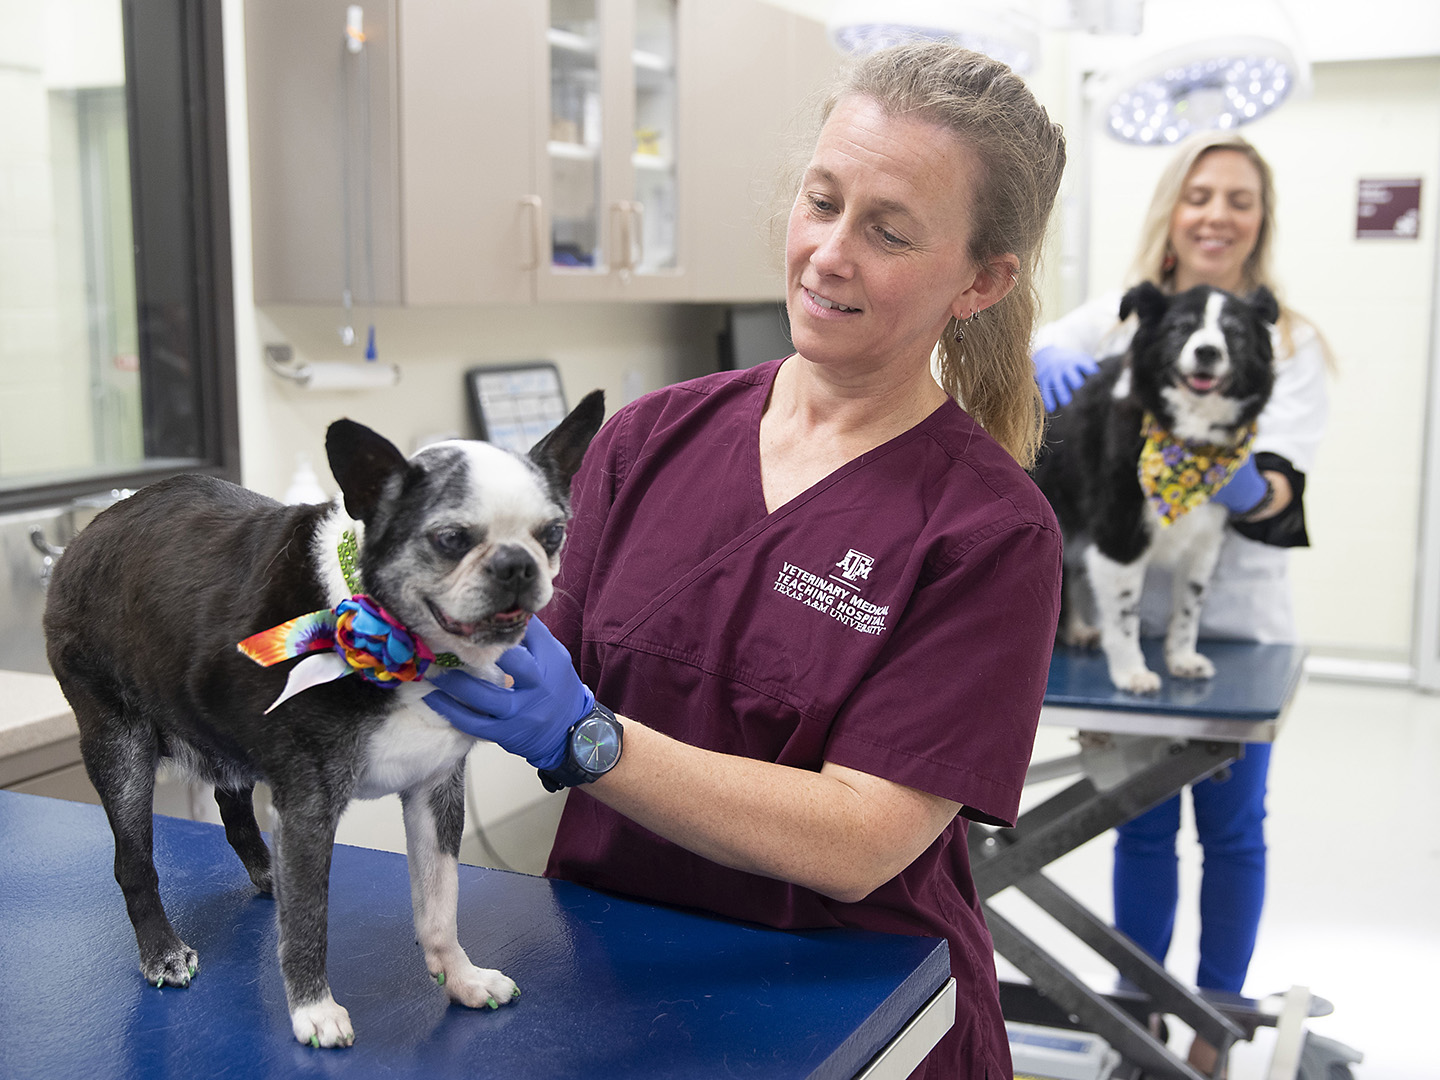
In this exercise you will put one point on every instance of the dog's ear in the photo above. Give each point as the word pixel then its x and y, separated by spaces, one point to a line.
pixel 1265 304
pixel 362 461
pixel 559 453
pixel 1146 300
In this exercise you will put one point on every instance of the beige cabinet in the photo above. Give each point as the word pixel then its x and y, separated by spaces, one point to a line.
pixel 395 173
pixel 756 76
pixel 609 197
pixel 507 151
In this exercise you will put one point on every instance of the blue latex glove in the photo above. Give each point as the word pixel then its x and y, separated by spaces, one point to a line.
pixel 1060 372
pixel 531 718
pixel 1244 490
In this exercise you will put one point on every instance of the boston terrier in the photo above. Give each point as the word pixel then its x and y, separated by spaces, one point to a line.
pixel 439 558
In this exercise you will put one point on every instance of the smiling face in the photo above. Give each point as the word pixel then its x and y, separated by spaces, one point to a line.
pixel 466 551
pixel 1216 224
pixel 877 249
pixel 1201 360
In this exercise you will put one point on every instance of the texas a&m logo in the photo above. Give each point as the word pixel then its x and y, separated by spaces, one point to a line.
pixel 836 595
pixel 855 565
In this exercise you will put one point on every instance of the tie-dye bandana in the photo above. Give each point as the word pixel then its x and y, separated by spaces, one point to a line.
pixel 1178 476
pixel 357 636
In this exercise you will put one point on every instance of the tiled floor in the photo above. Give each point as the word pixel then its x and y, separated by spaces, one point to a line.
pixel 1353 902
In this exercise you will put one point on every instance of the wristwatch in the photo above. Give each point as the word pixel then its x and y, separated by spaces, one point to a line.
pixel 591 750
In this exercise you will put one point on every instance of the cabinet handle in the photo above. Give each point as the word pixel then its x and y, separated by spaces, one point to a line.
pixel 637 246
pixel 537 237
pixel 620 235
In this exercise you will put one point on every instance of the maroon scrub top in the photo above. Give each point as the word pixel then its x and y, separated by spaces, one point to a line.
pixel 895 618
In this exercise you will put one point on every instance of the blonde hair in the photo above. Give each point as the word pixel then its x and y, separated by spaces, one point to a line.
pixel 1021 153
pixel 1150 256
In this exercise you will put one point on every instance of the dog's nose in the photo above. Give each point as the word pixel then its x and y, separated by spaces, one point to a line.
pixel 511 565
pixel 1207 355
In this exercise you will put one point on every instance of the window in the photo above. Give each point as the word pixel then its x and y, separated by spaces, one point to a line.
pixel 116 321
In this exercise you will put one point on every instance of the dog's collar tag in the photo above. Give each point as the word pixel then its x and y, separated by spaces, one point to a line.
pixel 1177 476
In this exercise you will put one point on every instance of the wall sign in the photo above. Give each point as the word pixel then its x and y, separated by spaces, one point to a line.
pixel 1388 210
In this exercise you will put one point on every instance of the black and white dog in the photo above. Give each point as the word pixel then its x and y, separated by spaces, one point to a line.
pixel 1200 365
pixel 460 544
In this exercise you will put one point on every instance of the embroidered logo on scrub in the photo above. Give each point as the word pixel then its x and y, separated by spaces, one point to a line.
pixel 835 595
pixel 855 565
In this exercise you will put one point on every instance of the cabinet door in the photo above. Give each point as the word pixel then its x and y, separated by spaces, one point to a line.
pixel 610 174
pixel 324 175
pixel 470 227
pixel 751 93
pixel 650 154
pixel 578 92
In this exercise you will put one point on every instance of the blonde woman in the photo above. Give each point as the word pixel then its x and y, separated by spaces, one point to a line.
pixel 1212 222
pixel 819 594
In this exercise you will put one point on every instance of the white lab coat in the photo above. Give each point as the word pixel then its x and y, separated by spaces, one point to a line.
pixel 1249 596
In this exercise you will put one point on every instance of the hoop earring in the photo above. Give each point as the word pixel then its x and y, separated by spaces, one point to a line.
pixel 960 326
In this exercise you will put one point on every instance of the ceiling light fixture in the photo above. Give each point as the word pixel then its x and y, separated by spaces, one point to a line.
pixel 1186 74
pixel 1002 31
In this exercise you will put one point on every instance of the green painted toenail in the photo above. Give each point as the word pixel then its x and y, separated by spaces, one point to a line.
pixel 491 1003
pixel 315 1041
pixel 440 978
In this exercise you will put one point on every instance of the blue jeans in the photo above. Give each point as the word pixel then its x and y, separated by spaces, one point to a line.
pixel 1229 818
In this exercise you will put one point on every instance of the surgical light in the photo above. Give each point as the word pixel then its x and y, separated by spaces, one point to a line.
pixel 1185 73
pixel 1002 31
pixel 1222 91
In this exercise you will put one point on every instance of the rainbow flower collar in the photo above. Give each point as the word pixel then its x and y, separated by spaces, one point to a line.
pixel 356 636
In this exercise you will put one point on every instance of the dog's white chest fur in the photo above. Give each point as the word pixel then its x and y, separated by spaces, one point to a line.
pixel 1170 544
pixel 414 744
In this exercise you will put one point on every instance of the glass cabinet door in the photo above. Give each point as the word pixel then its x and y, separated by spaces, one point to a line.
pixel 652 235
pixel 576 137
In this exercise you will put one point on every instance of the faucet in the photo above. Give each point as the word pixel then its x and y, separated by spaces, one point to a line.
pixel 49 552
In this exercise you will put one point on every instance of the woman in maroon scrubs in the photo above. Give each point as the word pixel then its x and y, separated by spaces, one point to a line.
pixel 818 594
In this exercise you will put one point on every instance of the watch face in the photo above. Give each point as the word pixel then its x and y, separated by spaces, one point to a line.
pixel 596 745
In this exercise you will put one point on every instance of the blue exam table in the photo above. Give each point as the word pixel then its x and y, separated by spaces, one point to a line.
pixel 610 987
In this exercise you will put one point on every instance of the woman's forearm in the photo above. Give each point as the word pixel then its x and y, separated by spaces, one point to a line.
pixel 839 832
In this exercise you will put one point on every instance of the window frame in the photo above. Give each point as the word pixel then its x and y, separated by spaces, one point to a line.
pixel 191 32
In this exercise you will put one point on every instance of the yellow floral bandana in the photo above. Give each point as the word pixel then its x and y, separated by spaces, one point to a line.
pixel 1177 476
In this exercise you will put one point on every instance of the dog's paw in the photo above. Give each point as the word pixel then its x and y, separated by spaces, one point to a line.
pixel 1143 681
pixel 477 987
pixel 175 967
pixel 322 1023
pixel 1189 665
pixel 1080 636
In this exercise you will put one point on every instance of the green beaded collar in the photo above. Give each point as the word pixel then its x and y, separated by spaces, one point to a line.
pixel 348 549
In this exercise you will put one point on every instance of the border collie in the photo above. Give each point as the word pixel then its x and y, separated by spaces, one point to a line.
pixel 1129 465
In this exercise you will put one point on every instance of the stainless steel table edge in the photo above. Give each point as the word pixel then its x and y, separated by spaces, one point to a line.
pixel 1162 724
pixel 916 1039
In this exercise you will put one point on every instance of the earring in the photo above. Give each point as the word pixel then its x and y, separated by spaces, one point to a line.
pixel 960 325
pixel 1167 263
